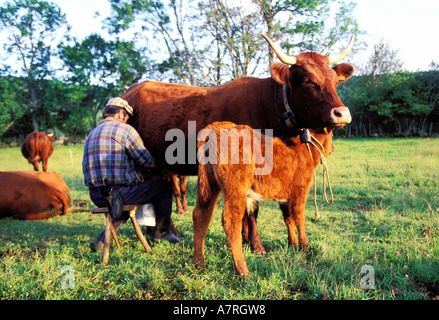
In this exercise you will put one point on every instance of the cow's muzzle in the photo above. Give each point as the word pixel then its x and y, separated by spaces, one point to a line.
pixel 340 116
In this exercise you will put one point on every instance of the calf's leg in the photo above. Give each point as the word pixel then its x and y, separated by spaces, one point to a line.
pixel 294 217
pixel 250 232
pixel 234 210
pixel 299 219
pixel 202 215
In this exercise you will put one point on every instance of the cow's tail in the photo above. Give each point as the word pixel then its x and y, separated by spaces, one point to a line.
pixel 63 198
pixel 35 157
pixel 57 196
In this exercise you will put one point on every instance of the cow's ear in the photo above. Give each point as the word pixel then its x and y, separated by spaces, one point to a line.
pixel 280 73
pixel 344 71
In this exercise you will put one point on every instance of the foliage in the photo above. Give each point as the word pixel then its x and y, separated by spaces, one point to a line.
pixel 216 41
pixel 400 103
pixel 31 28
pixel 384 216
pixel 102 68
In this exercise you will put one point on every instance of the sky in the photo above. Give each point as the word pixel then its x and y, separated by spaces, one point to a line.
pixel 409 26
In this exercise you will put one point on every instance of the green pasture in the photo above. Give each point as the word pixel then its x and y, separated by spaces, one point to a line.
pixel 383 227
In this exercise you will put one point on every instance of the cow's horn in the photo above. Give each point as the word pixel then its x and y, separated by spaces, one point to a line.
pixel 281 55
pixel 343 54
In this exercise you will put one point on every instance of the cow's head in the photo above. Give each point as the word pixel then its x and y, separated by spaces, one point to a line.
pixel 311 86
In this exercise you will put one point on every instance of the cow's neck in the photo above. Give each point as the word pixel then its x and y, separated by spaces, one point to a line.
pixel 289 123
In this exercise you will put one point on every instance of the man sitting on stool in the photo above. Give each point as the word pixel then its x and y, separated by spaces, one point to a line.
pixel 111 152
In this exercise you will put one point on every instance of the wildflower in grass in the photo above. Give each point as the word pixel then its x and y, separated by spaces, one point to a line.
pixel 397 253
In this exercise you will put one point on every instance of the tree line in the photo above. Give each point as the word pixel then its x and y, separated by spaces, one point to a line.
pixel 51 81
pixel 398 104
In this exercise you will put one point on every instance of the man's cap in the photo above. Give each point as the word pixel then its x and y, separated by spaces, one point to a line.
pixel 119 102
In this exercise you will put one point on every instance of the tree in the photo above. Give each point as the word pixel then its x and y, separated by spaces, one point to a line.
pixel 169 23
pixel 303 25
pixel 235 33
pixel 382 60
pixel 102 68
pixel 31 29
pixel 213 41
pixel 11 99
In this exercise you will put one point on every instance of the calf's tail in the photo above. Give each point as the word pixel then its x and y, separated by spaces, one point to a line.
pixel 204 189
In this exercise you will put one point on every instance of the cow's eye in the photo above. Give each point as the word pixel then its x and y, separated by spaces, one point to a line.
pixel 310 83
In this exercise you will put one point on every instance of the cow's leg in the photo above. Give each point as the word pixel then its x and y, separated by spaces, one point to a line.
pixel 176 190
pixel 291 224
pixel 245 228
pixel 44 161
pixel 183 189
pixel 35 164
pixel 202 215
pixel 294 216
pixel 299 218
pixel 250 231
pixel 234 210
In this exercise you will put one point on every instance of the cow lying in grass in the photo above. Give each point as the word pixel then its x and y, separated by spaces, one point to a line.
pixel 32 195
pixel 289 182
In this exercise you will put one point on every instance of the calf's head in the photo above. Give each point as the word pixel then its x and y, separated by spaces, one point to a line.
pixel 311 86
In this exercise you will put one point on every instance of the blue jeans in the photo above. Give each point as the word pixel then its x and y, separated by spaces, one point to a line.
pixel 155 191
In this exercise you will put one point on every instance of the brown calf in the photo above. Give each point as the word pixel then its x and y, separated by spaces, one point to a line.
pixel 288 182
pixel 37 147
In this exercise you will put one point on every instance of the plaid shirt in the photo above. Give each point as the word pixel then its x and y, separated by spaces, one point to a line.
pixel 111 152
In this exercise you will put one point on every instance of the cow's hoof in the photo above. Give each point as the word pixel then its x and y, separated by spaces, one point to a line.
pixel 199 264
pixel 96 245
pixel 244 274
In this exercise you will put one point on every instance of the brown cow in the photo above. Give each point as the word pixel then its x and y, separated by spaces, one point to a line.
pixel 307 87
pixel 37 147
pixel 30 195
pixel 288 182
pixel 180 189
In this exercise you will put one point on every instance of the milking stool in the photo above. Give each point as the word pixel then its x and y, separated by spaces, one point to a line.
pixel 142 214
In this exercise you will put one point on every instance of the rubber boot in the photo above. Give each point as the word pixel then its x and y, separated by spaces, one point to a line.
pixel 163 231
pixel 115 203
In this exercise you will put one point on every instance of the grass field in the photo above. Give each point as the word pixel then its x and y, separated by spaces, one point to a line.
pixel 383 226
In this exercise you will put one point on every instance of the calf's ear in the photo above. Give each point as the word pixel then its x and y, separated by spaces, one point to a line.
pixel 280 73
pixel 344 71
